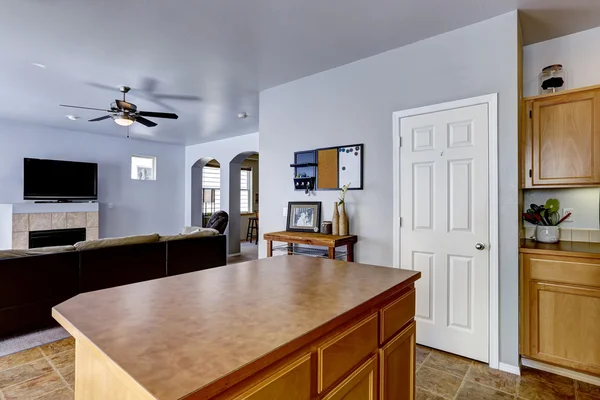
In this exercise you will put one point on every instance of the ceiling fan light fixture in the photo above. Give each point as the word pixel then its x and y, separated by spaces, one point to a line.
pixel 123 120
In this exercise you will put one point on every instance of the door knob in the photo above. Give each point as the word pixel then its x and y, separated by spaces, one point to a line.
pixel 479 246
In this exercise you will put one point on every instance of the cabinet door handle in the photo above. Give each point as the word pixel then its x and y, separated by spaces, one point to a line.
pixel 530 172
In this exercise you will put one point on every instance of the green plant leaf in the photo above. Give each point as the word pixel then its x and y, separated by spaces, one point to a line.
pixel 552 205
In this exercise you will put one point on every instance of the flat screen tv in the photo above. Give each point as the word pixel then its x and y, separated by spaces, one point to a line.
pixel 59 180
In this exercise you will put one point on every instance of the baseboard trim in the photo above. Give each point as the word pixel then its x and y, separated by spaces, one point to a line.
pixel 561 371
pixel 234 254
pixel 511 369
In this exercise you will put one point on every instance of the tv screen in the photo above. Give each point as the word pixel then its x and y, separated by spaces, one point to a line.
pixel 59 180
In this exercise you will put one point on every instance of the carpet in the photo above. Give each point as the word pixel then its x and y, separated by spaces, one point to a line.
pixel 23 342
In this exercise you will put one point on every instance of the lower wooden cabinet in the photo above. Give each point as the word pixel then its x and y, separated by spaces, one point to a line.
pixel 360 385
pixel 560 311
pixel 397 366
pixel 291 382
pixel 353 362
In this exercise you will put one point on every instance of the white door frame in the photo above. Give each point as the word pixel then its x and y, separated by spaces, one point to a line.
pixel 492 102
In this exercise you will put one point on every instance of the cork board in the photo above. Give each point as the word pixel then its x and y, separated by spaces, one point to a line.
pixel 327 171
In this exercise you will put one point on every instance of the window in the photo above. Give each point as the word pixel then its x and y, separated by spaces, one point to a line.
pixel 245 188
pixel 143 168
pixel 211 179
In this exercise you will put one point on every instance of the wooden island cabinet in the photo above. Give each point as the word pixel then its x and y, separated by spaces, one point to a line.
pixel 281 328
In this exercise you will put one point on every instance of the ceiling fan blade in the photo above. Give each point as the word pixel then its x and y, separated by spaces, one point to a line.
pixel 176 97
pixel 101 86
pixel 100 118
pixel 123 105
pixel 158 114
pixel 85 108
pixel 145 122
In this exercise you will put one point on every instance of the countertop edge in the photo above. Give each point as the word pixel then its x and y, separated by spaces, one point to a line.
pixel 524 248
pixel 225 382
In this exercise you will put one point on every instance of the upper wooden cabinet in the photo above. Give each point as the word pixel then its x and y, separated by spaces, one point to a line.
pixel 560 140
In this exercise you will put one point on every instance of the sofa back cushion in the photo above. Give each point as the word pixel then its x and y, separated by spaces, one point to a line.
pixel 120 241
pixel 107 267
pixel 191 234
pixel 35 252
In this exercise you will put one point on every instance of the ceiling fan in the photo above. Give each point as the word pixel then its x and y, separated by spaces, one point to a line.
pixel 125 114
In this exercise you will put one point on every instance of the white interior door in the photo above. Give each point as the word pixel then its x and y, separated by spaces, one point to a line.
pixel 444 231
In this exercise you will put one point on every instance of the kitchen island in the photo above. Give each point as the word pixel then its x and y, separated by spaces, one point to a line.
pixel 289 327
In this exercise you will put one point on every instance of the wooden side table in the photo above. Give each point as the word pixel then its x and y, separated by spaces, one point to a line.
pixel 314 239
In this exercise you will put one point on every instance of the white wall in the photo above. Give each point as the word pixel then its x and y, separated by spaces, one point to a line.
pixel 223 151
pixel 578 53
pixel 354 104
pixel 138 206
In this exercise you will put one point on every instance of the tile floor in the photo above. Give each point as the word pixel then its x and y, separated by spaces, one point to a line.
pixel 48 373
pixel 445 376
pixel 43 373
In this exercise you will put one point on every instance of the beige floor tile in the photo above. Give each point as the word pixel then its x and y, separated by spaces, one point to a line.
pixel 449 363
pixel 474 391
pixel 23 357
pixel 60 394
pixel 534 389
pixel 68 374
pixel 422 353
pixel 58 346
pixel 34 388
pixel 438 382
pixel 60 360
pixel 587 388
pixel 546 377
pixel 425 395
pixel 493 378
pixel 24 372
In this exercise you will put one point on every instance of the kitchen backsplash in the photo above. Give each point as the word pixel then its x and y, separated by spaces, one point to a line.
pixel 585 203
pixel 568 234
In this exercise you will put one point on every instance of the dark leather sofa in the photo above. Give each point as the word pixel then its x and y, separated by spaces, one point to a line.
pixel 31 285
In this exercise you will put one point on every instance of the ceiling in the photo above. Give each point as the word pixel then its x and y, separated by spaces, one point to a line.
pixel 221 53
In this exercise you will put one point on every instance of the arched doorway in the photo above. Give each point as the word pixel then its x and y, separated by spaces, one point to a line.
pixel 206 189
pixel 243 196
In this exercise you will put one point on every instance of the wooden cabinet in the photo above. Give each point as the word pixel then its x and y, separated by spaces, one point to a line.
pixel 560 140
pixel 560 311
pixel 346 350
pixel 360 385
pixel 397 366
pixel 291 382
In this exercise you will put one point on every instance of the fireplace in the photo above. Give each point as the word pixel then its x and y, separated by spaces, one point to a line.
pixel 56 237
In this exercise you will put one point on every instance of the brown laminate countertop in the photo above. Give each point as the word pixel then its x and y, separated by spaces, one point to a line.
pixel 180 334
pixel 575 249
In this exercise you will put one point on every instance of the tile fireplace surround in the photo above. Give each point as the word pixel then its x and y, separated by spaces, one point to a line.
pixel 17 220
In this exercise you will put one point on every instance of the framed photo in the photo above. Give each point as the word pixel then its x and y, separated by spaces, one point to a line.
pixel 304 216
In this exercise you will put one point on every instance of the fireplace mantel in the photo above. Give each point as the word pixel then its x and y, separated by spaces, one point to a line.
pixel 18 219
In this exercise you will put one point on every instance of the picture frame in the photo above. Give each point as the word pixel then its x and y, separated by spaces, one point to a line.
pixel 303 216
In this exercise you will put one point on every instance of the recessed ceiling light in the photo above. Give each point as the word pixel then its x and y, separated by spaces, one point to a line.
pixel 42 66
pixel 72 117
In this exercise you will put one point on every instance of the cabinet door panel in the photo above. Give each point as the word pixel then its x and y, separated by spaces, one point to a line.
pixel 566 140
pixel 565 322
pixel 360 385
pixel 290 383
pixel 397 366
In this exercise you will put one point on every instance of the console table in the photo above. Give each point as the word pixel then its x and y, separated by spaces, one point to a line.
pixel 314 239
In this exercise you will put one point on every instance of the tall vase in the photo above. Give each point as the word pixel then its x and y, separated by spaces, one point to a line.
pixel 343 221
pixel 335 220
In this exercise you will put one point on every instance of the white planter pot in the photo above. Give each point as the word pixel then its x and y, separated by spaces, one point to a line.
pixel 547 234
